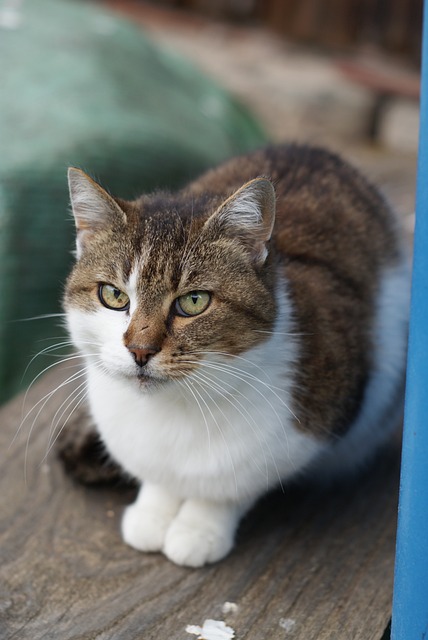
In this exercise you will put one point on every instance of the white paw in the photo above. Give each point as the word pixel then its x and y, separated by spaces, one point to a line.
pixel 145 529
pixel 194 546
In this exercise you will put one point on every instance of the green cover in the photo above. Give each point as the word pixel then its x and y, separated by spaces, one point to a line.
pixel 81 87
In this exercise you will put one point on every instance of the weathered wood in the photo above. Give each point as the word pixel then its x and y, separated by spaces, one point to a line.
pixel 321 558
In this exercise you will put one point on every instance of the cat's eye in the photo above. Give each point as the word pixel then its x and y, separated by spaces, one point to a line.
pixel 113 298
pixel 192 303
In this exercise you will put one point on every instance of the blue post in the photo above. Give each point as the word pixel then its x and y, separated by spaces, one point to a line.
pixel 410 606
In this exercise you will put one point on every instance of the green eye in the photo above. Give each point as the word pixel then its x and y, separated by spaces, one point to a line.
pixel 113 298
pixel 192 303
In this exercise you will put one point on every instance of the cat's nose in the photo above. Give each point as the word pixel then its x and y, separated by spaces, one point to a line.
pixel 142 355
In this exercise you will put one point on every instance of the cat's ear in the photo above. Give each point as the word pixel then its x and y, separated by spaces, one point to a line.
pixel 93 208
pixel 249 215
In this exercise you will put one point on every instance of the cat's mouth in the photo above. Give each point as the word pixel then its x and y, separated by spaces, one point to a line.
pixel 148 382
pixel 144 378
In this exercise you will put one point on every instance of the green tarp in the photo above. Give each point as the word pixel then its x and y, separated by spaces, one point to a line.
pixel 78 86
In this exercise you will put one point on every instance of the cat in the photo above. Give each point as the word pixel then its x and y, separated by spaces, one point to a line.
pixel 241 332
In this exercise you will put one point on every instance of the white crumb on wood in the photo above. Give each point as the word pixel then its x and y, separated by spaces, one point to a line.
pixel 229 607
pixel 287 623
pixel 211 630
pixel 194 629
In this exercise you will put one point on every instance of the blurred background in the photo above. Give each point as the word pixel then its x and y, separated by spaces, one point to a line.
pixel 144 95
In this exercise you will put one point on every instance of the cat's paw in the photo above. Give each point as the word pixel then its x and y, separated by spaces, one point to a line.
pixel 194 546
pixel 145 529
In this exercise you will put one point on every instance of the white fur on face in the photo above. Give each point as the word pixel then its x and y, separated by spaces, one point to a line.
pixel 100 334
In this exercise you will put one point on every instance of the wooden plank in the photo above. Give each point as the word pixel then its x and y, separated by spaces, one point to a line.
pixel 322 559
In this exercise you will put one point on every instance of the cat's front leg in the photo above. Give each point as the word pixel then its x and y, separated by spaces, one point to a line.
pixel 202 532
pixel 146 521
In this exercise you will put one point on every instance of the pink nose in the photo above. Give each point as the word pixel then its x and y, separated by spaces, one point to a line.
pixel 142 355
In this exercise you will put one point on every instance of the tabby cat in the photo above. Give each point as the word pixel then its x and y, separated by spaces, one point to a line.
pixel 238 333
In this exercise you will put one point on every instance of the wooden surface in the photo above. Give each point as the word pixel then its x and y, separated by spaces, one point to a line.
pixel 323 560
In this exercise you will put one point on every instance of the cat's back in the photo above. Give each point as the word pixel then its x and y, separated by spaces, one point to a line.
pixel 323 204
pixel 343 257
pixel 339 252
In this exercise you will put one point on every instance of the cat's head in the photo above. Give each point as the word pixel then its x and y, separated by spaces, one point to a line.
pixel 166 281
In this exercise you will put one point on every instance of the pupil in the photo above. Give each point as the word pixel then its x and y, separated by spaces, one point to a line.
pixel 195 298
pixel 116 293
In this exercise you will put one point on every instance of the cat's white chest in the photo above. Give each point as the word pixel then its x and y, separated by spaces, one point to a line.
pixel 202 445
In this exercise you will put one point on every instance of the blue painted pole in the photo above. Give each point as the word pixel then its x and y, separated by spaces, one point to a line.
pixel 410 605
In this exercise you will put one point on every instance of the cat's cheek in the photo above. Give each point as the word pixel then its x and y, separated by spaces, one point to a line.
pixel 99 336
pixel 113 354
pixel 81 327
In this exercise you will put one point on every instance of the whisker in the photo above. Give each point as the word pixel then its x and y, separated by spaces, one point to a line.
pixel 43 316
pixel 46 397
pixel 232 366
pixel 46 350
pixel 256 431
pixel 80 392
pixel 44 401
pixel 56 419
pixel 82 399
pixel 201 410
pixel 230 355
pixel 74 395
pixel 252 386
pixel 210 383
pixel 70 342
pixel 219 430
pixel 54 364
pixel 242 375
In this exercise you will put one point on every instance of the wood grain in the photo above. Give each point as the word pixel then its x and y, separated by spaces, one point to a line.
pixel 323 559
